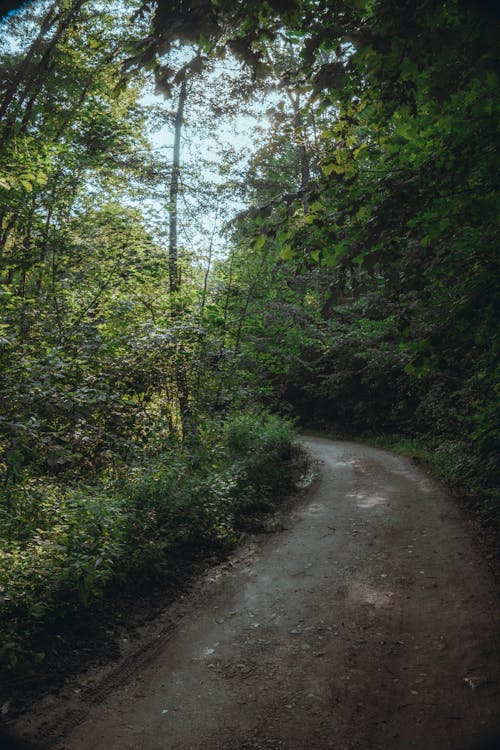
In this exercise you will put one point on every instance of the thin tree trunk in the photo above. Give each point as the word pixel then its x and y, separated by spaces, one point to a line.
pixel 173 260
pixel 199 373
pixel 46 25
pixel 7 227
pixel 41 70
pixel 225 375
pixel 33 81
pixel 298 122
pixel 23 279
pixel 209 263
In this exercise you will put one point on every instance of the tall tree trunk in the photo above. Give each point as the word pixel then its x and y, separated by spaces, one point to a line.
pixel 173 261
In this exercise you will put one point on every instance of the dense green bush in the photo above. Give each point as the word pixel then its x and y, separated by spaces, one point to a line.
pixel 62 546
pixel 258 447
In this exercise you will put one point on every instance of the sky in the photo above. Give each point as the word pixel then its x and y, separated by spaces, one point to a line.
pixel 239 134
pixel 9 7
pixel 237 138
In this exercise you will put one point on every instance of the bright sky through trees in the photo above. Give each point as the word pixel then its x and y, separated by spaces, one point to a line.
pixel 215 149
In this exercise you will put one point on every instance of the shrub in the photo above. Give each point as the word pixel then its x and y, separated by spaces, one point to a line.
pixel 62 546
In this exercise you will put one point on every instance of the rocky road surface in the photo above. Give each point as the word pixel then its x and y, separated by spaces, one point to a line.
pixel 367 621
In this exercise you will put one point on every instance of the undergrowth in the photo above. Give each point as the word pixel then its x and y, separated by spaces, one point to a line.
pixel 63 546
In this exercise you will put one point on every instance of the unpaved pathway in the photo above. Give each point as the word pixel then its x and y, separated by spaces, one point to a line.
pixel 368 622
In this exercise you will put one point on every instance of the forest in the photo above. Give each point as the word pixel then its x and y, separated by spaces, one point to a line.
pixel 222 222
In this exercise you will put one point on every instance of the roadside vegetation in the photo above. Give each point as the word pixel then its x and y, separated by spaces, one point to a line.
pixel 65 544
pixel 304 226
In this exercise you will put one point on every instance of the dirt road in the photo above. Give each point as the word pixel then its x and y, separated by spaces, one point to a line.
pixel 369 622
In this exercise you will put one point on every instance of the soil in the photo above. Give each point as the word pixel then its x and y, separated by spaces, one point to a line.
pixel 366 620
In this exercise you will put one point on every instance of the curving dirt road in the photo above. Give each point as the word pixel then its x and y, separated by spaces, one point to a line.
pixel 368 622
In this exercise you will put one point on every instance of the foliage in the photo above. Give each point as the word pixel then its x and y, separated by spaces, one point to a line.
pixel 64 544
pixel 396 236
pixel 356 288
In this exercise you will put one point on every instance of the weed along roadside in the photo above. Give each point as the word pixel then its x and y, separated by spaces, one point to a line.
pixel 87 544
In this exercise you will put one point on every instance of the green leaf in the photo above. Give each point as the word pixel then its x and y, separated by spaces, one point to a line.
pixel 287 252
pixel 359 150
pixel 260 242
pixel 316 207
pixel 332 167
